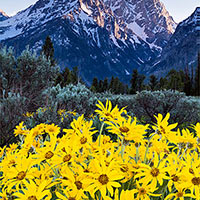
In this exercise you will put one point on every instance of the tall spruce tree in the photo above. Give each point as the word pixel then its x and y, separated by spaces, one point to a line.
pixel 75 79
pixel 187 82
pixel 141 85
pixel 105 84
pixel 134 82
pixel 111 85
pixel 116 85
pixel 48 50
pixel 162 83
pixel 153 82
pixel 197 77
pixel 95 85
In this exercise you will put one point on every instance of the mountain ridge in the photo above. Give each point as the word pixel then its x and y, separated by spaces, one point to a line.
pixel 3 15
pixel 182 48
pixel 112 40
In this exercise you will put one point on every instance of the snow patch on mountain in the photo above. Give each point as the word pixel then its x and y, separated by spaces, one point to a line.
pixel 84 8
pixel 138 30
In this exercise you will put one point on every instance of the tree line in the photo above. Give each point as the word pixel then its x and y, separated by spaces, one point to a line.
pixel 186 80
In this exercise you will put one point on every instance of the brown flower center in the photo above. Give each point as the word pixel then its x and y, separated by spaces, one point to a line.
pixel 67 158
pixel 83 140
pixel 175 178
pixel 49 155
pixel 103 179
pixel 155 172
pixel 78 185
pixel 196 180
pixel 108 115
pixel 142 191
pixel 162 130
pixel 51 130
pixel 179 194
pixel 191 171
pixel 72 198
pixel 124 168
pixel 32 198
pixel 124 129
pixel 12 162
pixel 21 175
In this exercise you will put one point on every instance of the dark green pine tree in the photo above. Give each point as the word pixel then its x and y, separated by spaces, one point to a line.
pixel 175 80
pixel 75 76
pixel 66 76
pixel 116 85
pixel 100 86
pixel 48 50
pixel 153 82
pixel 134 82
pixel 121 89
pixel 111 85
pixel 141 85
pixel 95 85
pixel 197 76
pixel 192 80
pixel 187 82
pixel 162 83
pixel 105 84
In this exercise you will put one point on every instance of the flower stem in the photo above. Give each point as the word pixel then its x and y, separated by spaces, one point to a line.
pixel 100 133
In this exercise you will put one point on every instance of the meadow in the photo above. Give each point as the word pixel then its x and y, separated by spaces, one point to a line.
pixel 122 159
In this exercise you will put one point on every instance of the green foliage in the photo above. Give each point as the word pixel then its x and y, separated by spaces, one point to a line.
pixel 153 82
pixel 134 82
pixel 35 74
pixel 12 108
pixel 182 109
pixel 48 50
pixel 197 77
pixel 68 77
pixel 22 81
pixel 71 97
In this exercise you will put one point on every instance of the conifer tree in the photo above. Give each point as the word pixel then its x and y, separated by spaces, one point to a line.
pixel 48 50
pixel 75 76
pixel 121 88
pixel 95 85
pixel 175 80
pixel 141 85
pixel 187 82
pixel 163 83
pixel 197 76
pixel 116 85
pixel 100 86
pixel 111 85
pixel 134 82
pixel 105 84
pixel 153 82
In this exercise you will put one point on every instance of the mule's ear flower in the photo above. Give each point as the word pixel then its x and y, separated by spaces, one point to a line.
pixel 21 129
pixel 107 113
pixel 162 126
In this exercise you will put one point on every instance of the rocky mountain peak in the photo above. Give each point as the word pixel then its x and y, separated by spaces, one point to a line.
pixel 148 19
pixel 192 20
pixel 3 15
pixel 114 35
pixel 182 48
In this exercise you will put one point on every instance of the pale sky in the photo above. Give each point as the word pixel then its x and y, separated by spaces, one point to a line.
pixel 178 9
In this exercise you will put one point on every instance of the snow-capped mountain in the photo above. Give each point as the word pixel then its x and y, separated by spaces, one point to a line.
pixel 147 19
pixel 3 15
pixel 182 49
pixel 101 37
